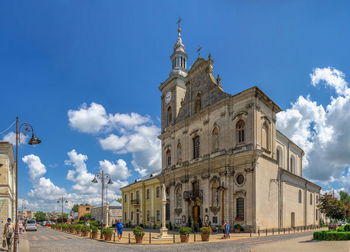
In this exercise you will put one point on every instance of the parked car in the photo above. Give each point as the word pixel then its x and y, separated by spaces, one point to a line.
pixel 47 223
pixel 31 225
pixel 333 226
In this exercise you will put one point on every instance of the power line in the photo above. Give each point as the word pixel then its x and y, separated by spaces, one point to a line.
pixel 2 132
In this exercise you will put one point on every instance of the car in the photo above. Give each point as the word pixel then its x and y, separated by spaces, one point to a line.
pixel 31 225
pixel 332 226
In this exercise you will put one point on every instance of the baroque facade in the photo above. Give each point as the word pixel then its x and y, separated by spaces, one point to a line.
pixel 7 182
pixel 223 160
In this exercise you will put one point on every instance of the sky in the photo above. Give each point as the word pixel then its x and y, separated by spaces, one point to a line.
pixel 86 73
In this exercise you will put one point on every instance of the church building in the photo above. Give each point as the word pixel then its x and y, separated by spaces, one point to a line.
pixel 223 160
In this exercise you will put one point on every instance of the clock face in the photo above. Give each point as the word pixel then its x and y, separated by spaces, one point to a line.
pixel 168 97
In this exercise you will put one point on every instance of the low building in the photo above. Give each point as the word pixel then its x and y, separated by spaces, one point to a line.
pixel 110 214
pixel 142 202
pixel 7 182
pixel 84 209
pixel 26 214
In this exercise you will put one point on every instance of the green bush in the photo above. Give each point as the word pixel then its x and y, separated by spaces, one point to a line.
pixel 331 235
pixel 93 229
pixel 107 231
pixel 94 223
pixel 138 231
pixel 205 230
pixel 238 226
pixel 340 229
pixel 347 228
pixel 185 230
pixel 84 228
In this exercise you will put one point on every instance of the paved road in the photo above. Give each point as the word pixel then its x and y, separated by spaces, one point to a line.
pixel 47 240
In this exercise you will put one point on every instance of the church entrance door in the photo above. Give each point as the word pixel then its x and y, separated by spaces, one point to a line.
pixel 196 211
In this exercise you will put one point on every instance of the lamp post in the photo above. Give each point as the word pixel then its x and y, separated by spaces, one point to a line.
pixel 105 181
pixel 33 141
pixel 62 200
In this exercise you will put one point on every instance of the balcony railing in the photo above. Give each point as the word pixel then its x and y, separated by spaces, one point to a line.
pixel 193 195
pixel 135 202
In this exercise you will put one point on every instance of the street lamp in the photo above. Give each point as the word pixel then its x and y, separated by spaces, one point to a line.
pixel 33 141
pixel 62 200
pixel 105 180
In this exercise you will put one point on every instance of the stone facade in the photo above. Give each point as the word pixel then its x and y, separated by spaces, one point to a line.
pixel 110 214
pixel 223 160
pixel 7 182
pixel 83 209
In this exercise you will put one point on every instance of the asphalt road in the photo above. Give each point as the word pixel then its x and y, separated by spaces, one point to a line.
pixel 47 240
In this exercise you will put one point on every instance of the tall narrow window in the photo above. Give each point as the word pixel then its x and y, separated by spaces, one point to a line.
pixel 240 134
pixel 196 146
pixel 310 198
pixel 147 194
pixel 240 208
pixel 195 188
pixel 125 198
pixel 215 139
pixel 168 158
pixel 178 194
pixel 179 153
pixel 300 194
pixel 169 116
pixel 198 103
pixel 157 191
pixel 278 154
pixel 265 136
pixel 292 164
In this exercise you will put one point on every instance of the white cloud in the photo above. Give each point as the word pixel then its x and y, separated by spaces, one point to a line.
pixel 323 132
pixel 130 133
pixel 36 168
pixel 11 138
pixel 88 119
pixel 331 77
pixel 45 189
pixel 118 170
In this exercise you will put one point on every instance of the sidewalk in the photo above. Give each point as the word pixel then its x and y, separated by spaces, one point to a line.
pixel 23 244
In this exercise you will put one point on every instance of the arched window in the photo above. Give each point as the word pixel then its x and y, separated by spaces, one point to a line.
pixel 240 209
pixel 300 194
pixel 265 136
pixel 240 134
pixel 179 153
pixel 215 139
pixel 168 158
pixel 292 164
pixel 196 147
pixel 178 194
pixel 169 116
pixel 198 103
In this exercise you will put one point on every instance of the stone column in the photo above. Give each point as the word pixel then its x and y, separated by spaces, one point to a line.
pixel 163 229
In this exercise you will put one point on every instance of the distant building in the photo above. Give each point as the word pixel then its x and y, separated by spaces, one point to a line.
pixel 142 202
pixel 7 182
pixel 83 209
pixel 114 214
pixel 26 214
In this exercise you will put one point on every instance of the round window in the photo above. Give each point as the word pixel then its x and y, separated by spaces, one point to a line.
pixel 240 179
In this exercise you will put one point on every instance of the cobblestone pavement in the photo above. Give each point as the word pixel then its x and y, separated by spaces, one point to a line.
pixel 47 240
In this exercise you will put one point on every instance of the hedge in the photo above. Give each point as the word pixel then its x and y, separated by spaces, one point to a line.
pixel 331 235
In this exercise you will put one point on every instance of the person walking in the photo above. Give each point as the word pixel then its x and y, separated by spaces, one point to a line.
pixel 9 230
pixel 119 227
pixel 226 228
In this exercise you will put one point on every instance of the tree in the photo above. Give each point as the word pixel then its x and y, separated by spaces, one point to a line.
pixel 75 208
pixel 345 198
pixel 332 207
pixel 119 200
pixel 62 217
pixel 40 216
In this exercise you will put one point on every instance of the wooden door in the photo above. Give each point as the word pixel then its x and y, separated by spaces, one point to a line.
pixel 195 214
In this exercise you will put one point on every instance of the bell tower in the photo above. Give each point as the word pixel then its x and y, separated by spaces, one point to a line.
pixel 174 89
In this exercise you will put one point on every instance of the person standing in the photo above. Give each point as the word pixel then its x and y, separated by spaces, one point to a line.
pixel 9 230
pixel 119 227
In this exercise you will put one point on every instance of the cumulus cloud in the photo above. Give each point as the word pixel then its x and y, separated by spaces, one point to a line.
pixel 118 170
pixel 90 119
pixel 11 138
pixel 131 134
pixel 36 168
pixel 323 132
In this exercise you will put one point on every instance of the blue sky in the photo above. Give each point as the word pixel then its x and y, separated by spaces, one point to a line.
pixel 56 56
